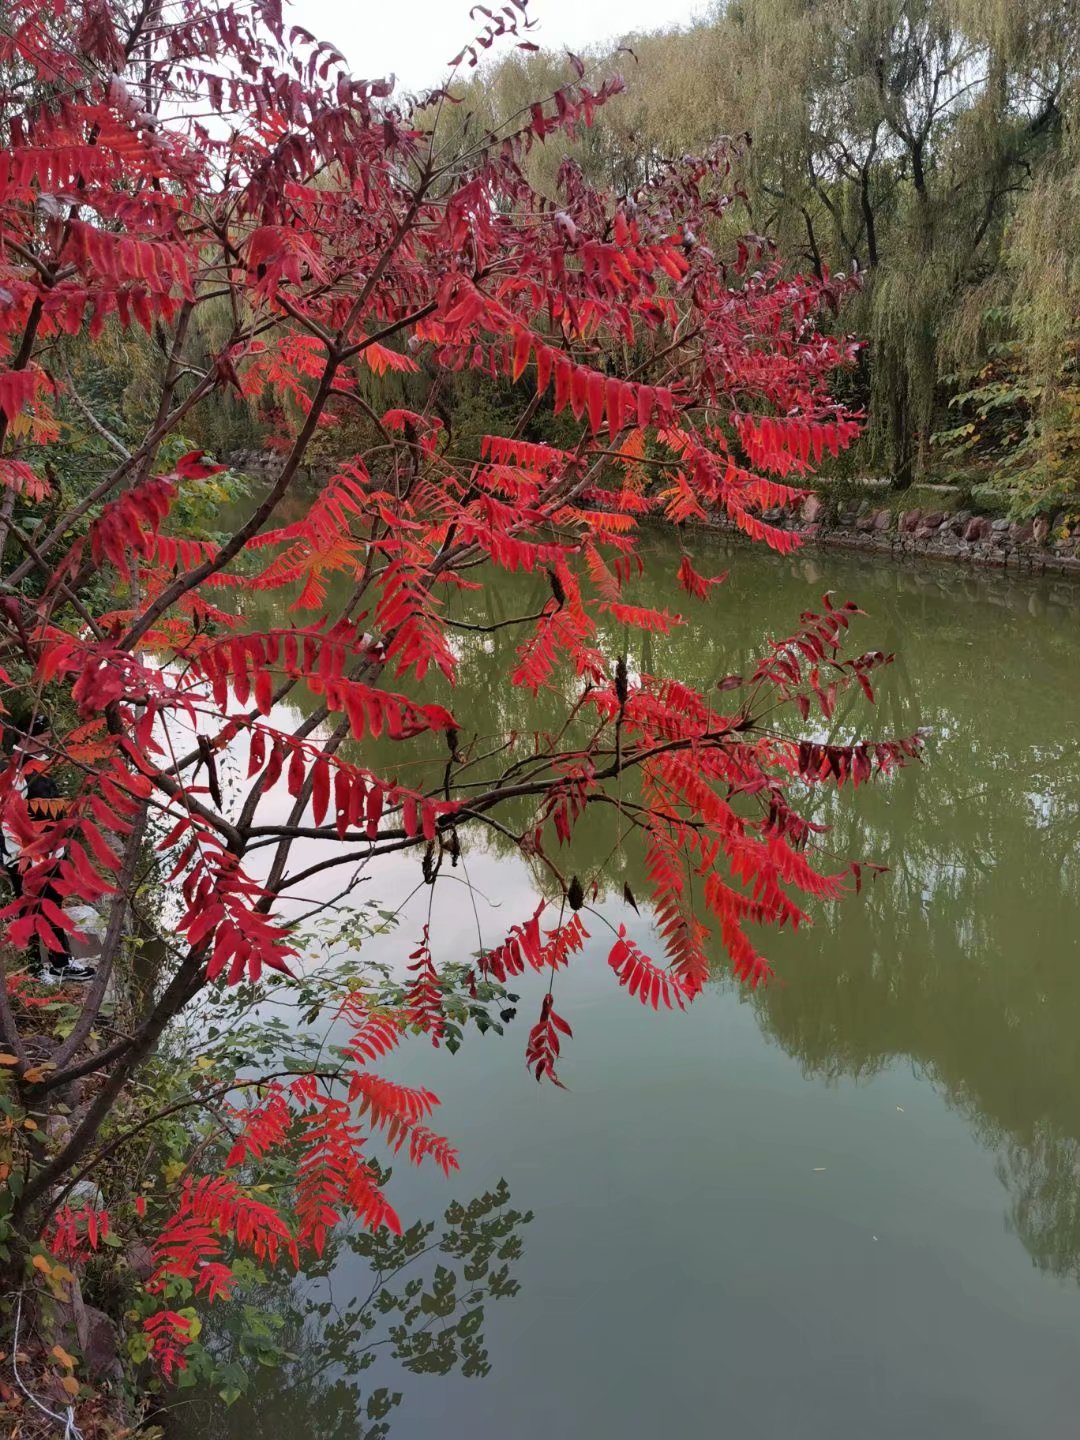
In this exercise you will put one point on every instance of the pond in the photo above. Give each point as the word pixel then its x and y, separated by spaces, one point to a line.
pixel 846 1204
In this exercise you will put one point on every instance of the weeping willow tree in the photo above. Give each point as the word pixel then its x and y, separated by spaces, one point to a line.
pixel 1045 315
pixel 1016 345
pixel 929 144
pixel 920 141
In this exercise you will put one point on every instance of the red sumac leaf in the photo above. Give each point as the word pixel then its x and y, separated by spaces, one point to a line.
pixel 597 393
pixel 320 789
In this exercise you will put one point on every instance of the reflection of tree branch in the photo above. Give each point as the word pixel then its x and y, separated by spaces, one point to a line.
pixel 498 625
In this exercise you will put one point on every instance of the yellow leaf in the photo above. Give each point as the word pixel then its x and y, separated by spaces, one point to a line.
pixel 70 1384
pixel 6 1059
pixel 62 1355
pixel 36 1074
pixel 29 1124
pixel 173 1170
pixel 40 1263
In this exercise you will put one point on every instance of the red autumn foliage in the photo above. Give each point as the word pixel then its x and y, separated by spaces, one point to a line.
pixel 210 152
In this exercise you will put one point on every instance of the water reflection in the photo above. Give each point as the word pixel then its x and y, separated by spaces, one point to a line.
pixel 374 1307
pixel 963 959
pixel 962 965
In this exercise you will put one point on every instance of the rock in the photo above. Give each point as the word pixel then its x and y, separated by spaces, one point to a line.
pixel 924 532
pixel 933 520
pixel 864 506
pixel 977 528
pixel 864 522
pixel 85 1192
pixel 999 527
pixel 909 519
pixel 1021 534
pixel 812 510
pixel 140 1259
pixel 960 520
pixel 882 520
pixel 100 1353
pixel 1040 529
pixel 90 1331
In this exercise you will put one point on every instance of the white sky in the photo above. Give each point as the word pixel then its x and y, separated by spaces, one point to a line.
pixel 415 38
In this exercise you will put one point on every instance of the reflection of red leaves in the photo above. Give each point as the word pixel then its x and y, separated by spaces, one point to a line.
pixel 544 1047
pixel 695 584
pixel 642 618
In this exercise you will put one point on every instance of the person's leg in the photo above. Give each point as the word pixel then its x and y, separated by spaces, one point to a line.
pixel 63 963
pixel 60 963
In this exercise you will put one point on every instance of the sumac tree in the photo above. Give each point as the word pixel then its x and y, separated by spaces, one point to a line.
pixel 161 162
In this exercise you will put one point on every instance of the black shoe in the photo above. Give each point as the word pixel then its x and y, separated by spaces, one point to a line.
pixel 72 973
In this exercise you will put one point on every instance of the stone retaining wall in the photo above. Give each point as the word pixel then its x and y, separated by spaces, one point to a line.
pixel 264 465
pixel 937 534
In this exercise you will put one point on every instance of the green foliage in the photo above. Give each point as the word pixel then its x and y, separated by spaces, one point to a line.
pixel 925 142
pixel 1015 433
pixel 429 1321
pixel 420 1308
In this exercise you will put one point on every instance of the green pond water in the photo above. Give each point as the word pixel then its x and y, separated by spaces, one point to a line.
pixel 847 1205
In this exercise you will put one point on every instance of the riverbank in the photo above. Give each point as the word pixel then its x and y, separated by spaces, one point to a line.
pixel 931 531
pixel 1034 547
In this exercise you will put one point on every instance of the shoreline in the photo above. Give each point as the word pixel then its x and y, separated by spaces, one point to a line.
pixel 961 536
pixel 1019 548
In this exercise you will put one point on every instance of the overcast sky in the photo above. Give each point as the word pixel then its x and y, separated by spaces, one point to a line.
pixel 415 38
